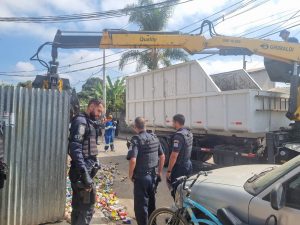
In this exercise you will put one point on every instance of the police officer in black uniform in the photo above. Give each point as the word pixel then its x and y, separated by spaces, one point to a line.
pixel 84 164
pixel 179 162
pixel 145 167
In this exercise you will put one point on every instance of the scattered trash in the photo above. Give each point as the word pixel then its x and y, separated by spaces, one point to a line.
pixel 106 199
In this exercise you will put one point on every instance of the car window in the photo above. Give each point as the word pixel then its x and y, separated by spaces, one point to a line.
pixel 258 185
pixel 293 192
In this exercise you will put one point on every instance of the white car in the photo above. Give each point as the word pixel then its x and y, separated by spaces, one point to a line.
pixel 253 193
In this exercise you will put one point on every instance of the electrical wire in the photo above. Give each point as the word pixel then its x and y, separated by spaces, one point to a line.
pixel 245 11
pixel 268 25
pixel 206 18
pixel 228 13
pixel 284 22
pixel 93 74
pixel 68 66
pixel 92 16
pixel 82 69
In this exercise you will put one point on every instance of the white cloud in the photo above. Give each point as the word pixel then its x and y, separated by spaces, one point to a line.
pixel 189 12
pixel 24 66
pixel 78 78
pixel 217 65
pixel 116 4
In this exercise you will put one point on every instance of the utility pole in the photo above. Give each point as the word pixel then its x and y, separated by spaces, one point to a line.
pixel 244 62
pixel 104 79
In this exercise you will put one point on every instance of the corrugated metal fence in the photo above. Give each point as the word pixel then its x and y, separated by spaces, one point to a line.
pixel 35 124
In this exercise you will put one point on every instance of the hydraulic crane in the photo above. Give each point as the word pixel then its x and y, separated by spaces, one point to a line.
pixel 281 61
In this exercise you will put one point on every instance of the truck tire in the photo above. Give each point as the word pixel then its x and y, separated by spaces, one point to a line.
pixel 166 148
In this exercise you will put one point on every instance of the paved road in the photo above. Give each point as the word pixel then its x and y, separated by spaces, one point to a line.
pixel 124 188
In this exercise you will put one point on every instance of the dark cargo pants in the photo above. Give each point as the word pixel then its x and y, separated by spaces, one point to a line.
pixel 144 198
pixel 82 212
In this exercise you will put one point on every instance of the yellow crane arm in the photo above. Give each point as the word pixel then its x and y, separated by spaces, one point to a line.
pixel 281 58
pixel 277 50
pixel 129 39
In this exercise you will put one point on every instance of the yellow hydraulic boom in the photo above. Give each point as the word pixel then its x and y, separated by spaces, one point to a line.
pixel 281 58
pixel 277 50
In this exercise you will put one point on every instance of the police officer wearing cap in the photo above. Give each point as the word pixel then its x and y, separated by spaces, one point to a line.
pixel 179 162
pixel 84 164
pixel 146 161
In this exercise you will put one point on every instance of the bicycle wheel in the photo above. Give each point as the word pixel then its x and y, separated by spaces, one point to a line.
pixel 165 216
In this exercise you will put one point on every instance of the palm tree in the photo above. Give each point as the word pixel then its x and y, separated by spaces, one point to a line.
pixel 116 95
pixel 151 20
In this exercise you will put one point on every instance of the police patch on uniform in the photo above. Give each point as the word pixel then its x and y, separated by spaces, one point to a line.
pixel 81 129
pixel 176 143
pixel 80 132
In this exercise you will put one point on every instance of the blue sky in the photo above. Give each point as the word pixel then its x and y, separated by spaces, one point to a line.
pixel 18 42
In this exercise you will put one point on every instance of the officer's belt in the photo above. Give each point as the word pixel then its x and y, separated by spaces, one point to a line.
pixel 145 173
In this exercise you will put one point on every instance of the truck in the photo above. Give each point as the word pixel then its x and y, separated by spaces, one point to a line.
pixel 238 126
pixel 232 119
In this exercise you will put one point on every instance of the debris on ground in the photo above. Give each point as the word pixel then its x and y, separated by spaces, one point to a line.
pixel 106 199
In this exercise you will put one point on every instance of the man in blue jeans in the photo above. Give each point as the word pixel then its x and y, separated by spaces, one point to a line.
pixel 179 162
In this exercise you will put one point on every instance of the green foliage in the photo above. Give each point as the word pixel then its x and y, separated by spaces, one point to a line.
pixel 151 20
pixel 88 91
pixel 115 94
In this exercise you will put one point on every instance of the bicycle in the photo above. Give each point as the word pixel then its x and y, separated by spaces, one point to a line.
pixel 185 214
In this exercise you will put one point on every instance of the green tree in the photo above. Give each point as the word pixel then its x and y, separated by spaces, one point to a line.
pixel 115 94
pixel 88 91
pixel 151 20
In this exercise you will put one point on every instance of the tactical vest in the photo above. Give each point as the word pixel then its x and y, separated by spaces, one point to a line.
pixel 148 146
pixel 186 152
pixel 89 145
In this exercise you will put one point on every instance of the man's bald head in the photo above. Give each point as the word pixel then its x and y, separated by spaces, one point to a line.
pixel 139 123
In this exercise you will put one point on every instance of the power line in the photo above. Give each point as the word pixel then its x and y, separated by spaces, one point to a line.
pixel 289 27
pixel 246 4
pixel 16 75
pixel 245 11
pixel 92 16
pixel 70 65
pixel 64 66
pixel 265 25
pixel 198 21
pixel 230 12
pixel 284 22
pixel 268 17
pixel 93 74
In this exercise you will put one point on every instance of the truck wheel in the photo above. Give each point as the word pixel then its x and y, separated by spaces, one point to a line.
pixel 166 149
